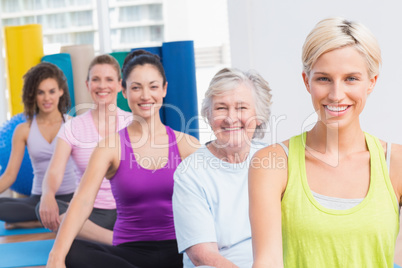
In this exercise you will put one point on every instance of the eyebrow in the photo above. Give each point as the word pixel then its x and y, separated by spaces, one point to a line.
pixel 324 73
pixel 237 103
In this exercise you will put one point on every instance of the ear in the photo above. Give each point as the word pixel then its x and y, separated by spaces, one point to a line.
pixel 165 89
pixel 61 92
pixel 373 81
pixel 87 84
pixel 124 92
pixel 120 87
pixel 306 82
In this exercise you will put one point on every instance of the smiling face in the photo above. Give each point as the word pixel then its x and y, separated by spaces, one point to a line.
pixel 339 85
pixel 48 95
pixel 103 84
pixel 145 91
pixel 233 117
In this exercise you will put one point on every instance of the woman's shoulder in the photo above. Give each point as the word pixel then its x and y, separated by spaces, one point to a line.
pixel 279 149
pixel 186 143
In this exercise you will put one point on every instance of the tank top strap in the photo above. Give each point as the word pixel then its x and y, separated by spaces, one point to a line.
pixel 174 153
pixel 379 165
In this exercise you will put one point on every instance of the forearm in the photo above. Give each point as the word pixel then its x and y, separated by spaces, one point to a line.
pixel 213 259
pixel 6 181
pixel 208 254
pixel 51 182
pixel 76 215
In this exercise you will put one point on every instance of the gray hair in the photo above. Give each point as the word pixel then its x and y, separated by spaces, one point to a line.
pixel 226 80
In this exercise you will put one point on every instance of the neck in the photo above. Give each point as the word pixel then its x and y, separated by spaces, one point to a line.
pixel 229 154
pixel 335 142
pixel 53 116
pixel 149 128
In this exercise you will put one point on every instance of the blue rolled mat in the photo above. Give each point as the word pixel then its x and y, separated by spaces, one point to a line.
pixel 153 50
pixel 397 266
pixel 181 111
pixel 22 254
pixel 63 61
pixel 5 232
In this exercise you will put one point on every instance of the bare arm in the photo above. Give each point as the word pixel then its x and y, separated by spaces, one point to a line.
pixel 102 160
pixel 396 170
pixel 48 209
pixel 208 254
pixel 187 144
pixel 19 141
pixel 266 186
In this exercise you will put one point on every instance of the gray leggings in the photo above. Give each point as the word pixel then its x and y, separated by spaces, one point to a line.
pixel 105 218
pixel 23 209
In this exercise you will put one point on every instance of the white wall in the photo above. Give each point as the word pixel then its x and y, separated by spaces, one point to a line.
pixel 268 35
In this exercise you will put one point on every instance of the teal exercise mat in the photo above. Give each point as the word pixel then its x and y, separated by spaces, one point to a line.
pixel 23 254
pixel 5 232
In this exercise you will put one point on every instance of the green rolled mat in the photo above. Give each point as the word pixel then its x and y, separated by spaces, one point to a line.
pixel 121 101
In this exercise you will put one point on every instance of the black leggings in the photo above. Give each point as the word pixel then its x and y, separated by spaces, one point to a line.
pixel 143 254
pixel 23 209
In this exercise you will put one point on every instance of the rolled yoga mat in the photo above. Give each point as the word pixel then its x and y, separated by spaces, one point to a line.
pixel 63 61
pixel 81 57
pixel 24 49
pixel 121 101
pixel 181 109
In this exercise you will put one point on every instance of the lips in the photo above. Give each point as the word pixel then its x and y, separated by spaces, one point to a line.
pixel 232 128
pixel 102 94
pixel 336 108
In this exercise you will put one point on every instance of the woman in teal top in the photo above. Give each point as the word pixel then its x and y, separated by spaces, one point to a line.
pixel 330 200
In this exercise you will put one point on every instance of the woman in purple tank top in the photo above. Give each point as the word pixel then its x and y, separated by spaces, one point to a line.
pixel 46 100
pixel 139 161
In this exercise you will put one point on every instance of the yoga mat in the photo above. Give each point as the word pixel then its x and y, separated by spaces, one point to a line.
pixel 397 266
pixel 121 101
pixel 22 254
pixel 5 232
pixel 181 111
pixel 63 61
pixel 24 49
pixel 81 57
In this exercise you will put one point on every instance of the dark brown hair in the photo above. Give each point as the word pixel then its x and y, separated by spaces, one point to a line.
pixel 33 78
pixel 141 57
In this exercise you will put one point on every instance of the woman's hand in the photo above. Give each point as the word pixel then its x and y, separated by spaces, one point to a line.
pixel 55 261
pixel 49 212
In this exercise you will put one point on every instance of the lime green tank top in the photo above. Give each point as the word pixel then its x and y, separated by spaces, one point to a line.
pixel 316 236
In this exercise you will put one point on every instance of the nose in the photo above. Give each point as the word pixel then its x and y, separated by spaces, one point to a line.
pixel 47 96
pixel 337 92
pixel 145 94
pixel 232 116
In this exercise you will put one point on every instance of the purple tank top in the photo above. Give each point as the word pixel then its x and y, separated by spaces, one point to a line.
pixel 143 196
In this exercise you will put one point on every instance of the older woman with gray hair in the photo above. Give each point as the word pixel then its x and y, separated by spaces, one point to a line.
pixel 210 197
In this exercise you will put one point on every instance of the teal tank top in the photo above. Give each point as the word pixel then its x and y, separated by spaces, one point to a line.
pixel 316 236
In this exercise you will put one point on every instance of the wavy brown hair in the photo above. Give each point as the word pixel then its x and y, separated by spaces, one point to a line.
pixel 33 78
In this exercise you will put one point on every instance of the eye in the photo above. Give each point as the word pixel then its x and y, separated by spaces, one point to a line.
pixel 154 87
pixel 220 108
pixel 135 88
pixel 351 79
pixel 242 108
pixel 322 78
